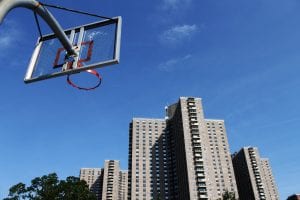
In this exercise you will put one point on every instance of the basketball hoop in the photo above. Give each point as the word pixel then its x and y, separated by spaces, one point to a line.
pixel 74 46
pixel 91 71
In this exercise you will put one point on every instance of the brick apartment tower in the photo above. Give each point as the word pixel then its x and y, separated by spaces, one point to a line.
pixel 108 183
pixel 147 162
pixel 110 189
pixel 181 157
pixel 123 185
pixel 94 178
pixel 254 176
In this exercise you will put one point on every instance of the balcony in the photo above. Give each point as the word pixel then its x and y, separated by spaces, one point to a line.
pixel 199 180
pixel 193 119
pixel 196 136
pixel 193 114
pixel 200 175
pixel 253 161
pixel 192 107
pixel 258 180
pixel 199 169
pixel 192 111
pixel 194 128
pixel 191 102
pixel 198 160
pixel 198 151
pixel 203 196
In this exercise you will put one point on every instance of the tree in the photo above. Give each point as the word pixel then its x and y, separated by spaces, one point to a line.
pixel 158 197
pixel 228 195
pixel 48 187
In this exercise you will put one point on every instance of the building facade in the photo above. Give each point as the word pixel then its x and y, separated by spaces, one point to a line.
pixel 202 158
pixel 145 164
pixel 184 156
pixel 123 185
pixel 254 176
pixel 271 188
pixel 94 178
pixel 110 188
pixel 221 169
pixel 108 183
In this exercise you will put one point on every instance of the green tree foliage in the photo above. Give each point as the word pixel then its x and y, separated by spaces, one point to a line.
pixel 158 197
pixel 228 195
pixel 48 187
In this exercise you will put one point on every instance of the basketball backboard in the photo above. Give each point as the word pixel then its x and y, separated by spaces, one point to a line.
pixel 97 45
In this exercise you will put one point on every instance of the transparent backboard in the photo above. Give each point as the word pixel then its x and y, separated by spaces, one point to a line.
pixel 97 45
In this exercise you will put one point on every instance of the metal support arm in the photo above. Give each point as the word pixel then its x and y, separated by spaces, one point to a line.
pixel 8 5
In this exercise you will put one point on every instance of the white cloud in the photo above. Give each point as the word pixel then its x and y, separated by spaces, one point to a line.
pixel 5 40
pixel 175 4
pixel 178 33
pixel 96 33
pixel 171 64
pixel 9 33
pixel 12 41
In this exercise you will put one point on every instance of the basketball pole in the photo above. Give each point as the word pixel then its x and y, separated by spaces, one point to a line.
pixel 7 5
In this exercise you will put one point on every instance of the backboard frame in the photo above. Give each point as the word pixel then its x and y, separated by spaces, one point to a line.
pixel 115 60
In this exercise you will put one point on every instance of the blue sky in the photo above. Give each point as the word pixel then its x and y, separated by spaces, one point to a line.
pixel 241 57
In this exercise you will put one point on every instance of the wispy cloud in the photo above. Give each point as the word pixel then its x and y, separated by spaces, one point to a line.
pixel 171 64
pixel 9 33
pixel 175 4
pixel 5 40
pixel 12 41
pixel 178 33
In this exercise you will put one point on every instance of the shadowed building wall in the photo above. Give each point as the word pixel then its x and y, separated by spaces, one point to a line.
pixel 254 176
pixel 94 178
pixel 123 185
pixel 108 183
pixel 181 157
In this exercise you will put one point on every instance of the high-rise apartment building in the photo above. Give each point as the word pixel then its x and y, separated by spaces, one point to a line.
pixel 181 157
pixel 271 188
pixel 94 178
pixel 146 166
pixel 111 180
pixel 254 176
pixel 108 183
pixel 202 156
pixel 123 185
pixel 222 169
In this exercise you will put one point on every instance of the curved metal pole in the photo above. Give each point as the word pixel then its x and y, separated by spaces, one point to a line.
pixel 8 5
